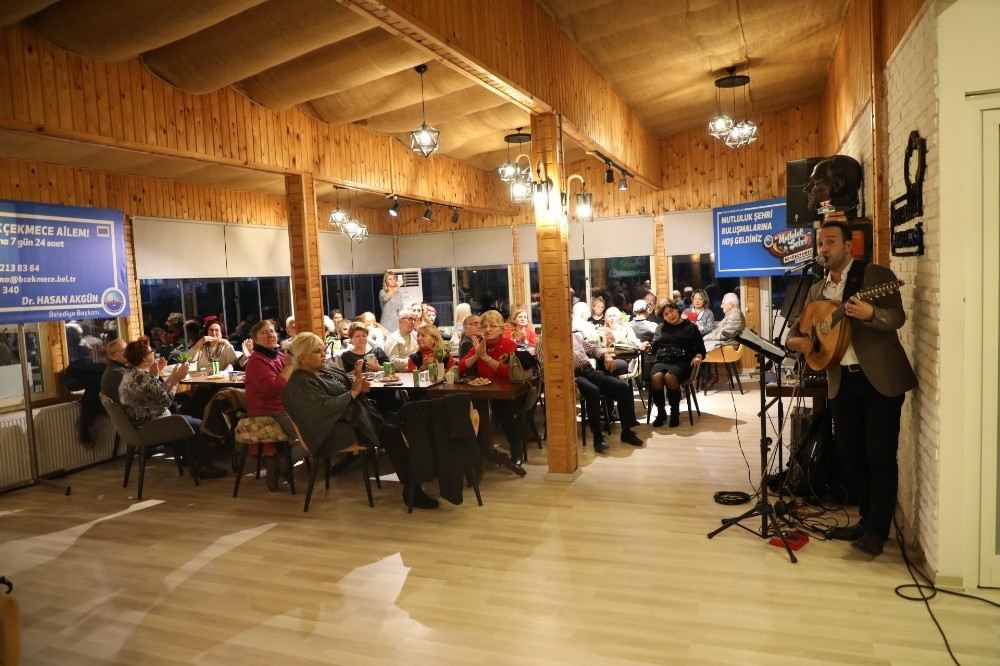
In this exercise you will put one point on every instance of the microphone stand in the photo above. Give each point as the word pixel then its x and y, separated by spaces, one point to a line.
pixel 762 507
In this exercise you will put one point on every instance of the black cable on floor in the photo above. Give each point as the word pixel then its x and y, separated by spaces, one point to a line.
pixel 913 570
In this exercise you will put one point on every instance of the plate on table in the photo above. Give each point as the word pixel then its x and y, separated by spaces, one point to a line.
pixel 480 381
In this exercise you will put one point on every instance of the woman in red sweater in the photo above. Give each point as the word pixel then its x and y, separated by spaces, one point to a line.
pixel 431 348
pixel 519 330
pixel 267 374
pixel 492 360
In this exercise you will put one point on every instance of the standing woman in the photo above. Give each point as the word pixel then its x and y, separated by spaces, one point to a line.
pixel 391 299
pixel 520 331
pixel 678 351
pixel 492 360
pixel 700 312
pixel 267 374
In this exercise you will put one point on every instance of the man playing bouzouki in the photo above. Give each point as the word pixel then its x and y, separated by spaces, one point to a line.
pixel 866 387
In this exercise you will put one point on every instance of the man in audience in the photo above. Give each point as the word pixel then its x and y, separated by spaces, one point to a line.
pixel 115 370
pixel 732 324
pixel 291 329
pixel 595 382
pixel 403 341
pixel 644 329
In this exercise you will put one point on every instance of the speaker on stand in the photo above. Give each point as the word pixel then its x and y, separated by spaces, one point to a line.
pixel 797 174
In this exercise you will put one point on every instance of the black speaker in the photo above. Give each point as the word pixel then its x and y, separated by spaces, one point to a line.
pixel 797 174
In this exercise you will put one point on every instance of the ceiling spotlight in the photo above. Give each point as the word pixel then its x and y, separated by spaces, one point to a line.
pixel 623 183
pixel 427 213
pixel 424 139
pixel 394 211
pixel 609 175
pixel 454 214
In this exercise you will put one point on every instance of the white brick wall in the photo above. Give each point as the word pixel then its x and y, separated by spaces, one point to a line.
pixel 912 92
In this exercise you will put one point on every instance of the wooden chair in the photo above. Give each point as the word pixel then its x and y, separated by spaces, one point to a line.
pixel 689 388
pixel 262 430
pixel 171 429
pixel 728 357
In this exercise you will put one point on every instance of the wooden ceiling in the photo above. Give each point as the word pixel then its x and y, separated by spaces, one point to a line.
pixel 340 65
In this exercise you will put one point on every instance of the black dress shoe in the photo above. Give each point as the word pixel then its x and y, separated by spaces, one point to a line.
pixel 869 544
pixel 660 419
pixel 210 472
pixel 848 533
pixel 600 446
pixel 421 500
pixel 630 437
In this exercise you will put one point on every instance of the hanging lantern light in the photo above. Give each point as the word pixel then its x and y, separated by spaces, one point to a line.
pixel 424 139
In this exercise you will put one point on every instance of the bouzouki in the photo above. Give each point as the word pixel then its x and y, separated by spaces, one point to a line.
pixel 823 323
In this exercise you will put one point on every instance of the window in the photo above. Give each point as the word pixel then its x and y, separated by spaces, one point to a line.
pixel 353 294
pixel 238 303
pixel 85 338
pixel 439 293
pixel 577 281
pixel 11 385
pixel 698 271
pixel 619 280
pixel 484 288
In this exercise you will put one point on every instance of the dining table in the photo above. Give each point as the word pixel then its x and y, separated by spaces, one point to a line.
pixel 497 389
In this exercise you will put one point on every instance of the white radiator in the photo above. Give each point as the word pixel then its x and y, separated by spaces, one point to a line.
pixel 59 446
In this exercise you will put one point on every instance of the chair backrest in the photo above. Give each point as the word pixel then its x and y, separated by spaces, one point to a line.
pixel 128 432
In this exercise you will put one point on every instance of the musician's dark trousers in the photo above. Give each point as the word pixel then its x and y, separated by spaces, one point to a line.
pixel 867 427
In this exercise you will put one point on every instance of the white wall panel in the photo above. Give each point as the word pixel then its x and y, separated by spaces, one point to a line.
pixel 617 237
pixel 175 249
pixel 427 250
pixel 689 232
pixel 484 247
pixel 334 253
pixel 257 251
pixel 375 255
pixel 527 240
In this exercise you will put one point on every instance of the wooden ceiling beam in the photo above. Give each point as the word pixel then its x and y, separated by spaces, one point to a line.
pixel 523 54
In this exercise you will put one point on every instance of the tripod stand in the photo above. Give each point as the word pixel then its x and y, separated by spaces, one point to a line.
pixel 763 506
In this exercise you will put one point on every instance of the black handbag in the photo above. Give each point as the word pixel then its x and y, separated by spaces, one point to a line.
pixel 670 354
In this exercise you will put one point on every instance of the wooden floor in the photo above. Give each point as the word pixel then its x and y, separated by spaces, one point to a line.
pixel 613 568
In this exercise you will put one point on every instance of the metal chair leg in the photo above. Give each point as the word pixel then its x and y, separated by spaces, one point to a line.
pixel 312 482
pixel 291 468
pixel 470 475
pixel 240 464
pixel 129 457
pixel 364 476
pixel 142 471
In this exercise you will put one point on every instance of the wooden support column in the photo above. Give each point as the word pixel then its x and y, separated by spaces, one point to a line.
pixel 553 277
pixel 307 293
pixel 881 226
pixel 661 263
pixel 750 304
pixel 517 287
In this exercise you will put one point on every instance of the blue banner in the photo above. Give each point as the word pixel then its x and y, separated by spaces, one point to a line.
pixel 61 262
pixel 753 239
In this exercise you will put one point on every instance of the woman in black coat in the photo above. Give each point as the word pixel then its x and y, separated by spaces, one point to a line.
pixel 678 351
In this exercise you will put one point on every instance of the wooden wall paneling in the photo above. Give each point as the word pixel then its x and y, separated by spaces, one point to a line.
pixel 6 82
pixel 475 38
pixel 895 18
pixel 848 83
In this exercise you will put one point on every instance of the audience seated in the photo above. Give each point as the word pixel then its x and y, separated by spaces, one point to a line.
pixel 115 370
pixel 377 333
pixel 700 312
pixel 428 314
pixel 362 350
pixel 595 382
pixel 472 335
pixel 597 312
pixel 677 351
pixel 431 348
pixel 520 330
pixel 403 341
pixel 267 374
pixel 462 310
pixel 331 410
pixel 619 335
pixel 644 329
pixel 732 324
pixel 490 358
pixel 581 321
pixel 214 346
pixel 145 397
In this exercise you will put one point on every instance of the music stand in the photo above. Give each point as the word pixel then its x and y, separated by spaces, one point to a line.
pixel 765 351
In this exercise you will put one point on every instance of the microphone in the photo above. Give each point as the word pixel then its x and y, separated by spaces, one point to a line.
pixel 819 261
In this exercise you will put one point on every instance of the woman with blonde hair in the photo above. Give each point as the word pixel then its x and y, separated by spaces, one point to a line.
pixel 492 360
pixel 462 310
pixel 391 299
pixel 431 348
